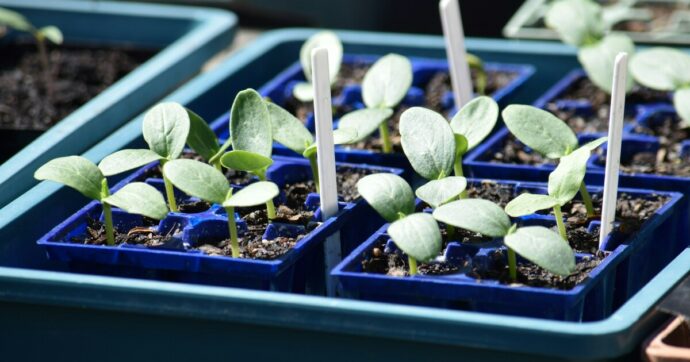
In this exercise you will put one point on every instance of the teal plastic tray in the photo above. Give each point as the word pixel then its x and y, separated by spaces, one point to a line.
pixel 185 37
pixel 81 316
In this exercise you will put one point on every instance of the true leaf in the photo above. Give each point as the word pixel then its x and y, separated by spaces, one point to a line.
pixel 323 39
pixel 245 161
pixel 544 248
pixel 52 33
pixel 250 124
pixel 390 195
pixel 664 69
pixel 476 120
pixel 540 130
pixel 126 160
pixel 438 192
pixel 365 121
pixel 477 215
pixel 681 101
pixel 565 180
pixel 14 20
pixel 387 81
pixel 526 204
pixel 428 142
pixel 165 129
pixel 599 59
pixel 201 137
pixel 254 194
pixel 417 235
pixel 141 199
pixel 74 171
pixel 198 179
pixel 288 130
pixel 578 22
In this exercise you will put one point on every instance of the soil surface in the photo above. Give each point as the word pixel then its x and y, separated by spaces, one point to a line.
pixel 499 194
pixel 28 102
pixel 253 245
pixel 192 207
pixel 440 84
pixel 514 152
pixel 141 235
pixel 394 264
pixel 346 178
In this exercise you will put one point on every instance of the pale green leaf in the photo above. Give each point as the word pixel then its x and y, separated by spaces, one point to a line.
pixel 250 124
pixel 540 130
pixel 365 121
pixel 544 248
pixel 565 180
pixel 344 135
pixel 245 161
pixel 477 215
pixel 428 142
pixel 599 59
pixel 52 33
pixel 303 91
pixel 577 22
pixel 201 137
pixel 255 194
pixel 418 236
pixel 165 129
pixel 438 192
pixel 664 69
pixel 527 204
pixel 14 20
pixel 198 179
pixel 387 81
pixel 461 145
pixel 141 199
pixel 681 100
pixel 593 145
pixel 390 195
pixel 476 120
pixel 126 160
pixel 74 171
pixel 288 130
pixel 323 39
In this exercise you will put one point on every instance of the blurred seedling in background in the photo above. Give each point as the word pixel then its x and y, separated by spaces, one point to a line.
pixel 304 91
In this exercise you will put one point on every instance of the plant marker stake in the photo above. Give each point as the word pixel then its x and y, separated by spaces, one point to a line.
pixel 613 152
pixel 455 50
pixel 325 157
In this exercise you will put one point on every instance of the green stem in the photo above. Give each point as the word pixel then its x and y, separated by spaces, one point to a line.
pixel 385 137
pixel 232 227
pixel 512 264
pixel 314 170
pixel 43 54
pixel 221 151
pixel 587 199
pixel 413 265
pixel 457 166
pixel 450 231
pixel 217 165
pixel 270 210
pixel 559 221
pixel 107 214
pixel 169 190
pixel 261 174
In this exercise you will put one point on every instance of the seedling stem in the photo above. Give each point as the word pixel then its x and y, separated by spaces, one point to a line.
pixel 559 221
pixel 107 214
pixel 587 199
pixel 232 227
pixel 512 264
pixel 385 137
pixel 413 265
pixel 314 170
pixel 169 190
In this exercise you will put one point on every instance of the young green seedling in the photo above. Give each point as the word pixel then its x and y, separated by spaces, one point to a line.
pixel 18 22
pixel 548 135
pixel 84 176
pixel 304 91
pixel 165 129
pixel 416 234
pixel 207 183
pixel 537 244
pixel 383 88
pixel 583 24
pixel 665 69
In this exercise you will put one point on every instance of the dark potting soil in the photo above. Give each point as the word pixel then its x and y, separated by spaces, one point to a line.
pixel 192 207
pixel 440 84
pixel 500 194
pixel 346 178
pixel 514 152
pixel 141 235
pixel 394 264
pixel 78 74
pixel 253 245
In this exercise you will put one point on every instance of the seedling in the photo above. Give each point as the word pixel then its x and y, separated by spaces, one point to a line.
pixel 17 21
pixel 165 129
pixel 665 69
pixel 304 91
pixel 546 134
pixel 583 24
pixel 207 183
pixel 84 176
pixel 416 234
pixel 383 88
pixel 537 244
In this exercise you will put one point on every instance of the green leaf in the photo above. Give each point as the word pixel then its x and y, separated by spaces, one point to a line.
pixel 476 120
pixel 577 22
pixel 165 129
pixel 390 195
pixel 52 33
pixel 387 81
pixel 681 100
pixel 438 192
pixel 417 235
pixel 477 215
pixel 74 171
pixel 598 60
pixel 14 20
pixel 245 161
pixel 303 91
pixel 544 248
pixel 365 121
pixel 664 69
pixel 540 130
pixel 250 124
pixel 527 204
pixel 201 137
pixel 481 77
pixel 328 40
pixel 141 199
pixel 126 160
pixel 255 194
pixel 565 180
pixel 593 145
pixel 344 135
pixel 288 130
pixel 461 145
pixel 198 179
pixel 428 141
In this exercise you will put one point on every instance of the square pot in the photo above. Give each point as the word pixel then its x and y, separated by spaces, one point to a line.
pixel 671 343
